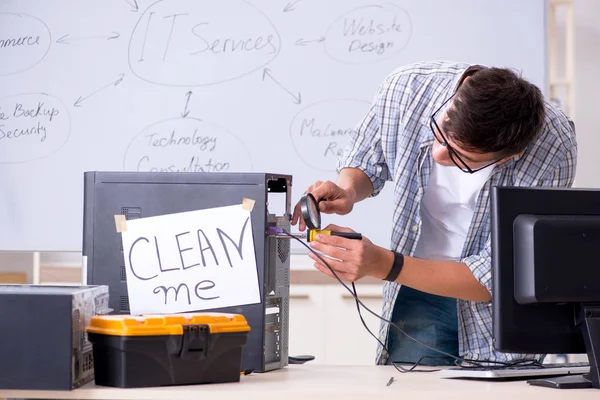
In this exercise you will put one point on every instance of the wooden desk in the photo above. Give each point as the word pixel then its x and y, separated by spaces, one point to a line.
pixel 312 382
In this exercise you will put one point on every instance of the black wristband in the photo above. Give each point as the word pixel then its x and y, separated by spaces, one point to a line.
pixel 396 267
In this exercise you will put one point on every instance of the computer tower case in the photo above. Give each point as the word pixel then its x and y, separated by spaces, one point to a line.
pixel 44 345
pixel 146 194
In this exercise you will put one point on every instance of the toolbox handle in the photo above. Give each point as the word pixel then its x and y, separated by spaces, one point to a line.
pixel 195 341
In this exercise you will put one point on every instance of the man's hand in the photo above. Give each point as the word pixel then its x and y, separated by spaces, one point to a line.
pixel 355 258
pixel 335 200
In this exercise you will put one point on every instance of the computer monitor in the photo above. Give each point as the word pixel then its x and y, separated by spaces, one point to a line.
pixel 546 274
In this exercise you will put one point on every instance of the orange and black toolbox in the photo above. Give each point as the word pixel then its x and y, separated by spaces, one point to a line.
pixel 173 349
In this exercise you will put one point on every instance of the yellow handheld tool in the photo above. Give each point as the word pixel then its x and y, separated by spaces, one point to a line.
pixel 312 234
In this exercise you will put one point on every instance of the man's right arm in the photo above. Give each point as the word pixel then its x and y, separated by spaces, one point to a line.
pixel 356 182
pixel 362 168
pixel 352 186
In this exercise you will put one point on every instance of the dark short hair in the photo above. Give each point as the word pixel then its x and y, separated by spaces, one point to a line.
pixel 495 111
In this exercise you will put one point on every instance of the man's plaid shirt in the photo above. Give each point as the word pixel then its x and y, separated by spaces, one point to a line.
pixel 393 143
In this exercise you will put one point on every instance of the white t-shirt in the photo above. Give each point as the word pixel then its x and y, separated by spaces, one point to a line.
pixel 447 208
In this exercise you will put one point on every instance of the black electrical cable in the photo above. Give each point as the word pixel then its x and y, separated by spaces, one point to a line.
pixel 398 367
pixel 458 361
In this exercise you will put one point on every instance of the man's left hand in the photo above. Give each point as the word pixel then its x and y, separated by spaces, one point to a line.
pixel 351 259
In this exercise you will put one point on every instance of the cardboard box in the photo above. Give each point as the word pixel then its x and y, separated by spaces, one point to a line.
pixel 13 277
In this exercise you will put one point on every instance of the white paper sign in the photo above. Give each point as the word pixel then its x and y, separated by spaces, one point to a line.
pixel 190 261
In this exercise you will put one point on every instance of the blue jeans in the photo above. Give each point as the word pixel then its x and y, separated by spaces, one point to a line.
pixel 429 318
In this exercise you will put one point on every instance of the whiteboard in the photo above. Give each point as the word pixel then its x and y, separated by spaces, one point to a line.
pixel 219 85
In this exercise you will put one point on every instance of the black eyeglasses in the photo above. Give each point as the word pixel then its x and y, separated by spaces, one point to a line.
pixel 439 136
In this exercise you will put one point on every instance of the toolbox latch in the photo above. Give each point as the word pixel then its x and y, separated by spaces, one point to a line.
pixel 196 340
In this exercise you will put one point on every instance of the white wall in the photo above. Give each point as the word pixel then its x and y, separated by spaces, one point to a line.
pixel 587 91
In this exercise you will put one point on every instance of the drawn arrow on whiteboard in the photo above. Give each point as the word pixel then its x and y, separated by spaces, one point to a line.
pixel 68 38
pixel 290 6
pixel 114 83
pixel 186 111
pixel 133 4
pixel 297 98
pixel 302 42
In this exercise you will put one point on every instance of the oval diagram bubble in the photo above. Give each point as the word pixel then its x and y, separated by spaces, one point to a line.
pixel 32 126
pixel 186 145
pixel 368 34
pixel 201 42
pixel 24 42
pixel 321 131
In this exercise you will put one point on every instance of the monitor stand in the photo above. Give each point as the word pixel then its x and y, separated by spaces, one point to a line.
pixel 590 328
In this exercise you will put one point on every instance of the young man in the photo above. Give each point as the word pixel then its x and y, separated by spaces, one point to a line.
pixel 443 133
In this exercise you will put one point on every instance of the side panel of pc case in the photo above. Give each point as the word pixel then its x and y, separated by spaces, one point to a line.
pixel 145 194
